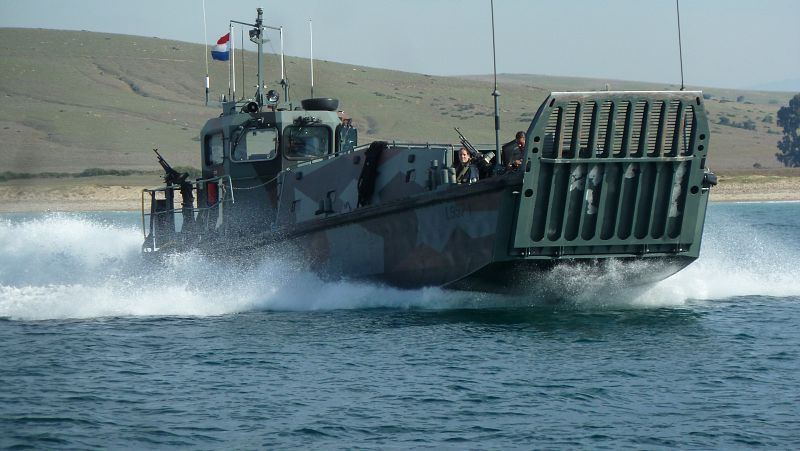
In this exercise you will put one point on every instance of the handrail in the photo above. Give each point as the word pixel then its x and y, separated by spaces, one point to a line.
pixel 195 187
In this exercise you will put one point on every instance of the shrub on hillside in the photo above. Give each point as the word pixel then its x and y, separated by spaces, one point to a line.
pixel 95 172
pixel 193 172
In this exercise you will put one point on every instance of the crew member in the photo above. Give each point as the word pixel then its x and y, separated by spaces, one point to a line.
pixel 513 152
pixel 466 171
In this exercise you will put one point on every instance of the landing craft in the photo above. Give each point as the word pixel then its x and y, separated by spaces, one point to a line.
pixel 603 177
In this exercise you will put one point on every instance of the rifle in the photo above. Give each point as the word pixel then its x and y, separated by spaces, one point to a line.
pixel 171 176
pixel 481 160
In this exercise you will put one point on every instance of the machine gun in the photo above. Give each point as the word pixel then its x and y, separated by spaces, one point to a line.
pixel 483 162
pixel 171 176
pixel 165 209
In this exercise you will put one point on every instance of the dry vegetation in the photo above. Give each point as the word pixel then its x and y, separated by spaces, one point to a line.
pixel 76 100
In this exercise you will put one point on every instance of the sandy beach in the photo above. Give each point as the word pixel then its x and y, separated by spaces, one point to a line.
pixel 756 188
pixel 33 198
pixel 29 196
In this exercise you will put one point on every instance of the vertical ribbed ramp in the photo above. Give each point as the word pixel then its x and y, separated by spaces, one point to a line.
pixel 614 174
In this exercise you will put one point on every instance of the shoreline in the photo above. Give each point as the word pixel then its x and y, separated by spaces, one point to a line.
pixel 50 197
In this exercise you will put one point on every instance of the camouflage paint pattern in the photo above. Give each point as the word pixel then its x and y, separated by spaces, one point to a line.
pixel 605 175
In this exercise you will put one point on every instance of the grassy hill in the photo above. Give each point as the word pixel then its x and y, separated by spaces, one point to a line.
pixel 75 100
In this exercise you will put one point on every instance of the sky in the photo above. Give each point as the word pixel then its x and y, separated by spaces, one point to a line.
pixel 743 44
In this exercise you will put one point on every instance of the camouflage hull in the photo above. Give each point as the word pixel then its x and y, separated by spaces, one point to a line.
pixel 461 244
pixel 611 183
pixel 437 243
pixel 461 239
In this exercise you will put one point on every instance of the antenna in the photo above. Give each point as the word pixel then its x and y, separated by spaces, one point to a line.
pixel 498 155
pixel 241 59
pixel 260 35
pixel 680 47
pixel 311 58
pixel 284 83
pixel 257 36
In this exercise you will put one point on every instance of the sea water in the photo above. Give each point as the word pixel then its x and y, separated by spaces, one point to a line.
pixel 100 352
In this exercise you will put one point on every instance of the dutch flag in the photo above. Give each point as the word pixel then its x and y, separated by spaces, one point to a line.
pixel 221 51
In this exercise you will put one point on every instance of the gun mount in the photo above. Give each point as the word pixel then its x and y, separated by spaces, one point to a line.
pixel 171 176
pixel 482 161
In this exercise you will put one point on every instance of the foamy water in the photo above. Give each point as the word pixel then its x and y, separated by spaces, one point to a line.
pixel 204 354
pixel 74 266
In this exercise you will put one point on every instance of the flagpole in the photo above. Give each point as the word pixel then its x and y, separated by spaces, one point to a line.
pixel 205 40
pixel 230 66
pixel 233 64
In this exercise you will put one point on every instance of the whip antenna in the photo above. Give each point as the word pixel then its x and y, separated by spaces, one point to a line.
pixel 241 59
pixel 311 57
pixel 680 47
pixel 284 83
pixel 496 95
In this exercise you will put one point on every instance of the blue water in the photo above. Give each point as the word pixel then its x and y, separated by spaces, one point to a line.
pixel 99 353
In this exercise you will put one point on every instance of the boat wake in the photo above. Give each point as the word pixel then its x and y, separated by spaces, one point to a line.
pixel 73 266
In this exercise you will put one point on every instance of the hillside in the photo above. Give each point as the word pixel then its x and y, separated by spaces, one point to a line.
pixel 75 100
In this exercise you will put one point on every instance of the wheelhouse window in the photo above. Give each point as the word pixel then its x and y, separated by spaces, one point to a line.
pixel 256 144
pixel 307 142
pixel 214 149
pixel 346 138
